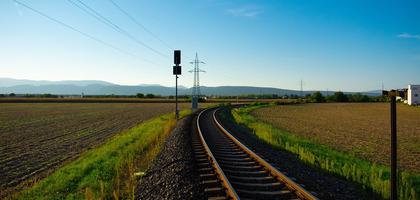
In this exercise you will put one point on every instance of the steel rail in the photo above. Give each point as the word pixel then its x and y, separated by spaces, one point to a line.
pixel 225 182
pixel 300 192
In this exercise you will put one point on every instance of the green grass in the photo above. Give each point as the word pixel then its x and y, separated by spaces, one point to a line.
pixel 107 172
pixel 369 175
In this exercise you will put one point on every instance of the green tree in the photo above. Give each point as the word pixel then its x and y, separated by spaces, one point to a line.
pixel 339 97
pixel 140 95
pixel 358 98
pixel 317 97
pixel 48 96
pixel 151 96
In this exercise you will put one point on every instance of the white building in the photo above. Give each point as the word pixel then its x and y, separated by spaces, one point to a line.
pixel 413 95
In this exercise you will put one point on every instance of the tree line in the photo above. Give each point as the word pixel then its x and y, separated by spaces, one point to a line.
pixel 317 97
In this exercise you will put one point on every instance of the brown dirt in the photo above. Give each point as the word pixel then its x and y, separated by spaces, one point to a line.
pixel 362 129
pixel 37 138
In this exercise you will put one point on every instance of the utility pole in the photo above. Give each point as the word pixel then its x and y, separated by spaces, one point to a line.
pixel 394 187
pixel 394 171
pixel 176 72
pixel 301 88
pixel 196 88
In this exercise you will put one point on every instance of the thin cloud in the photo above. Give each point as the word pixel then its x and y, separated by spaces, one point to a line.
pixel 245 11
pixel 408 36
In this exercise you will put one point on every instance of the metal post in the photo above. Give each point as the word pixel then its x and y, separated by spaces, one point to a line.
pixel 394 148
pixel 176 72
pixel 176 98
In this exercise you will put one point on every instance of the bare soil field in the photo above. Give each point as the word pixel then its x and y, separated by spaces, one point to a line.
pixel 362 129
pixel 37 138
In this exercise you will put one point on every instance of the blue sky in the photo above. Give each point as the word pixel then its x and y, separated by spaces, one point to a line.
pixel 336 45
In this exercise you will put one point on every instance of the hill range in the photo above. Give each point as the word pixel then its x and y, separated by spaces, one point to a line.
pixel 95 87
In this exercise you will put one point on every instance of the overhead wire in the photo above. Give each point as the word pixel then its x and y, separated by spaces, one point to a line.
pixel 140 24
pixel 88 12
pixel 79 31
pixel 115 27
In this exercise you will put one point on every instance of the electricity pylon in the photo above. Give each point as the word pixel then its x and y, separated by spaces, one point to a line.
pixel 196 88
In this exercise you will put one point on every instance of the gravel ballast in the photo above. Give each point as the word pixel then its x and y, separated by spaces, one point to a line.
pixel 172 174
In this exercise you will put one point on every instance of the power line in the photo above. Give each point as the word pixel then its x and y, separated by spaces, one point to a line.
pixel 116 27
pixel 86 11
pixel 140 24
pixel 144 27
pixel 77 30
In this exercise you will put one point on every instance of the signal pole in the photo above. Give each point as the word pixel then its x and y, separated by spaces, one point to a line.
pixel 176 72
pixel 196 88
pixel 176 98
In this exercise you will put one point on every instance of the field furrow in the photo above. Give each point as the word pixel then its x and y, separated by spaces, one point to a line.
pixel 39 137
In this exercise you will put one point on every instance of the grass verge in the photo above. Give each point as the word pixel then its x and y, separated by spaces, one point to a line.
pixel 369 175
pixel 107 172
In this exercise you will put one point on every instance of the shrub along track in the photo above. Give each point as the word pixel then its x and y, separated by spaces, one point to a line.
pixel 229 170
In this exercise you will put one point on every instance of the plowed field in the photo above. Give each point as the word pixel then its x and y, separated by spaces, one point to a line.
pixel 37 138
pixel 360 129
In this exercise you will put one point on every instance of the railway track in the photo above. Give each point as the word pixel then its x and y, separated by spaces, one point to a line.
pixel 229 170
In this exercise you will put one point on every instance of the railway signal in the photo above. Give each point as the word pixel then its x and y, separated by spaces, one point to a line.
pixel 177 71
pixel 394 179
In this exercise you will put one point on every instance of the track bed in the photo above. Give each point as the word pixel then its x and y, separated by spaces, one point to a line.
pixel 229 170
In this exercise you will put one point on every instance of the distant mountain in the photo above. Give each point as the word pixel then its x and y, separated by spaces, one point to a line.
pixel 88 90
pixel 9 82
pixel 8 85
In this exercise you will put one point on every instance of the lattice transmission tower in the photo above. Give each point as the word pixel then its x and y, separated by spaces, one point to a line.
pixel 196 88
